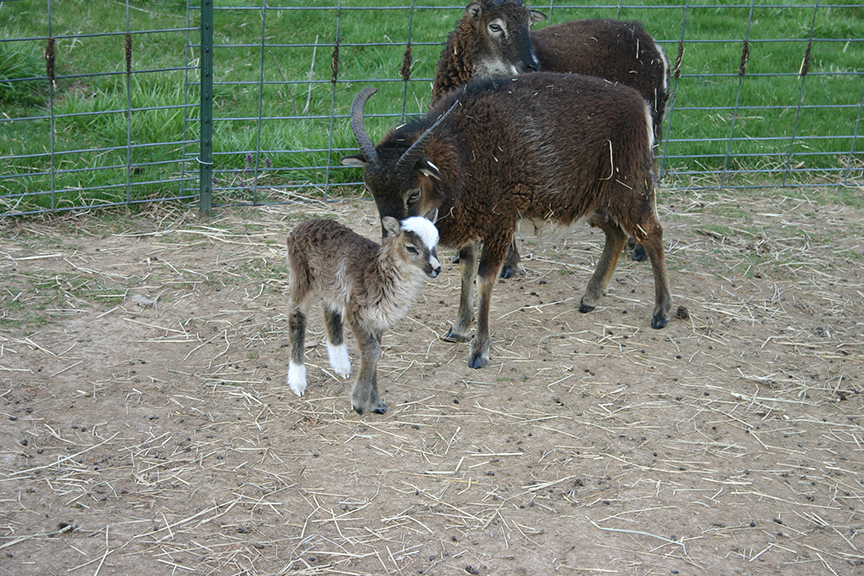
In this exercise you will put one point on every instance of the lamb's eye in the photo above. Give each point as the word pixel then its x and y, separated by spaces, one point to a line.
pixel 495 28
pixel 411 249
pixel 414 196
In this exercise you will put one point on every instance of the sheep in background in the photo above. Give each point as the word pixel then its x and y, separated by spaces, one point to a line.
pixel 493 39
pixel 370 286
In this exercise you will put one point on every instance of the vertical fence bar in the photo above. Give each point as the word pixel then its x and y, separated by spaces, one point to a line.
pixel 673 97
pixel 128 53
pixel 334 65
pixel 260 103
pixel 407 62
pixel 742 71
pixel 50 56
pixel 205 161
pixel 183 158
pixel 805 67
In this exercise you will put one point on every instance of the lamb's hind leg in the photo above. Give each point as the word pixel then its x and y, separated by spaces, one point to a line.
pixel 364 393
pixel 337 351
pixel 297 334
pixel 468 264
pixel 615 239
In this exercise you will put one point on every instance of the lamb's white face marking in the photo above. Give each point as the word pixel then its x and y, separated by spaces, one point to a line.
pixel 426 231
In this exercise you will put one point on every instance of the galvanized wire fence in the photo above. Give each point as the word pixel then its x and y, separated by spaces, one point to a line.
pixel 246 102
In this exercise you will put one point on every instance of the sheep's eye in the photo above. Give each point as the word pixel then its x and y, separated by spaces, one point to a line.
pixel 411 249
pixel 414 196
pixel 495 28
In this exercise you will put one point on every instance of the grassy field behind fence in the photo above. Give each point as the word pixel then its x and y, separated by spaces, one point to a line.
pixel 281 123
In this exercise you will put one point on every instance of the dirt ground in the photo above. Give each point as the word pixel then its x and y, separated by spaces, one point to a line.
pixel 147 427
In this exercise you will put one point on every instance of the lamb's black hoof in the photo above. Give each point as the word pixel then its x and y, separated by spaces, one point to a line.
pixel 639 254
pixel 585 308
pixel 659 322
pixel 507 271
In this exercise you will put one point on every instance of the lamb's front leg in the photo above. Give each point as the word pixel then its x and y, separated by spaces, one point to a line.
pixel 364 392
pixel 468 264
pixel 490 264
pixel 337 351
pixel 297 334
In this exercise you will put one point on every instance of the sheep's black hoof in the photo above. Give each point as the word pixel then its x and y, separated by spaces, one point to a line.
pixel 585 308
pixel 451 337
pixel 380 408
pixel 659 322
pixel 639 254
pixel 455 259
pixel 507 271
pixel 477 361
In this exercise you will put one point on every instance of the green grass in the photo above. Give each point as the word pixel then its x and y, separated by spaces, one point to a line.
pixel 294 152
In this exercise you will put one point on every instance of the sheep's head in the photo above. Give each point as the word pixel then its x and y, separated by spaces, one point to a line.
pixel 503 46
pixel 401 178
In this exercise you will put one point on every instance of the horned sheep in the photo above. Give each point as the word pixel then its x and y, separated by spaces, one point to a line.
pixel 544 147
pixel 370 286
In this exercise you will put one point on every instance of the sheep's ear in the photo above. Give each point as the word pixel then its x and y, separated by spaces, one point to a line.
pixel 536 16
pixel 391 225
pixel 474 10
pixel 428 169
pixel 432 216
pixel 357 161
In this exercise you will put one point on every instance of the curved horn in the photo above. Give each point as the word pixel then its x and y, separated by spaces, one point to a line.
pixel 409 159
pixel 359 128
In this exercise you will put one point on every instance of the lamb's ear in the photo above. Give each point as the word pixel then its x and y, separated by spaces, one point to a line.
pixel 536 16
pixel 357 161
pixel 474 10
pixel 391 225
pixel 432 216
pixel 427 168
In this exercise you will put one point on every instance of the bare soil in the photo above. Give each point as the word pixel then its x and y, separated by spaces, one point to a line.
pixel 147 427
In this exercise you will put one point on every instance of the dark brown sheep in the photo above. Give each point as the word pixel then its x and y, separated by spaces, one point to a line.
pixel 544 147
pixel 493 38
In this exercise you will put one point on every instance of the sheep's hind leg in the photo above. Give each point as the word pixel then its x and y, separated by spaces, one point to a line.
pixel 364 393
pixel 337 351
pixel 297 334
pixel 468 264
pixel 615 239
pixel 662 296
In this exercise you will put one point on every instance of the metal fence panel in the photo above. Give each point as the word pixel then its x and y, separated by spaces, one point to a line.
pixel 765 94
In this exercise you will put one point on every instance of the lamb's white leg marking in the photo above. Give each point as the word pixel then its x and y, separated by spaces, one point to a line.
pixel 339 360
pixel 297 378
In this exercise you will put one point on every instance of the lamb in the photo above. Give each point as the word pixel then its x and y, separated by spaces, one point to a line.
pixel 540 146
pixel 369 285
pixel 493 38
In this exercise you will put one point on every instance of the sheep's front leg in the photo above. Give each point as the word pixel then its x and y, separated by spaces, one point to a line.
pixel 615 239
pixel 364 393
pixel 490 264
pixel 468 264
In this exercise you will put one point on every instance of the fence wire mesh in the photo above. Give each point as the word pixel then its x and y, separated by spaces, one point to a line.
pixel 100 103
